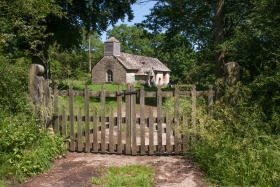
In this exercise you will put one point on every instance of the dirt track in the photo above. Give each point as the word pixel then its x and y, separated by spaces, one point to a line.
pixel 76 170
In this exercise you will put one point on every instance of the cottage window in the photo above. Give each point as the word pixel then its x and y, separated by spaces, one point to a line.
pixel 109 76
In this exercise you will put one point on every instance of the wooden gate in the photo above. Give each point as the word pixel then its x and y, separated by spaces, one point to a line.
pixel 133 129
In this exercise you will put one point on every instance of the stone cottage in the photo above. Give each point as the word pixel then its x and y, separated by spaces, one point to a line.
pixel 119 67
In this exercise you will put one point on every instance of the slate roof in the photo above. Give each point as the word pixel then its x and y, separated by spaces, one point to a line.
pixel 112 39
pixel 135 62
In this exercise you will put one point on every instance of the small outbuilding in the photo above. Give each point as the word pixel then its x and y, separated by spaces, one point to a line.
pixel 118 67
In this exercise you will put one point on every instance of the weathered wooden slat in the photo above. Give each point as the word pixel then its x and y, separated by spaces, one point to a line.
pixel 110 94
pixel 56 113
pixel 184 93
pixel 102 108
pixel 193 112
pixel 185 131
pixel 64 118
pixel 80 142
pixel 151 132
pixel 168 132
pixel 176 119
pixel 167 94
pixel 111 132
pixel 79 93
pixel 150 94
pixel 133 121
pixel 94 129
pixel 71 114
pixel 63 93
pixel 119 121
pixel 87 127
pixel 142 120
pixel 94 94
pixel 128 121
pixel 159 119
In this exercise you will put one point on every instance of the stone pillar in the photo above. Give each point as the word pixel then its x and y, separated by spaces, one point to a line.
pixel 40 92
pixel 232 77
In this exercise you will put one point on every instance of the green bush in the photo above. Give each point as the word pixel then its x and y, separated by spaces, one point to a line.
pixel 13 85
pixel 25 148
pixel 235 149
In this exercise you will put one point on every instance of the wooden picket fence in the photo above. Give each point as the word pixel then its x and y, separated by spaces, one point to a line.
pixel 130 134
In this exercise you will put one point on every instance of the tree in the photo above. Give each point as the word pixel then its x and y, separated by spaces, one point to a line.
pixel 38 24
pixel 205 23
pixel 133 39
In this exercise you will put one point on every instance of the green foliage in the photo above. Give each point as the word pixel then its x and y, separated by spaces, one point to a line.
pixel 133 40
pixel 235 148
pixel 127 176
pixel 25 150
pixel 13 85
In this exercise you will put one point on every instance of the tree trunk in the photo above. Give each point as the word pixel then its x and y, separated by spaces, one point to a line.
pixel 219 39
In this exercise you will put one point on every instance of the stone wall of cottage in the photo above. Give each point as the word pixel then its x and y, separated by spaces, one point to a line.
pixel 99 71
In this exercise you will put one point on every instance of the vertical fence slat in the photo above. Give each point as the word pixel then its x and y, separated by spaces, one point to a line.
pixel 111 131
pixel 193 112
pixel 142 120
pixel 119 122
pixel 56 112
pixel 103 126
pixel 151 132
pixel 159 119
pixel 87 129
pixel 168 132
pixel 71 113
pixel 80 142
pixel 64 119
pixel 64 129
pixel 185 130
pixel 176 119
pixel 94 130
pixel 128 121
pixel 133 121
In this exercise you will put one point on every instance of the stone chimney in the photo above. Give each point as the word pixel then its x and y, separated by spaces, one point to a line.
pixel 112 47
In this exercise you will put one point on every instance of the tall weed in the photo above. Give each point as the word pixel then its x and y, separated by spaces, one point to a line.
pixel 235 149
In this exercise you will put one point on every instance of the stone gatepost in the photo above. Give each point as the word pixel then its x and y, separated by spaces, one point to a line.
pixel 40 93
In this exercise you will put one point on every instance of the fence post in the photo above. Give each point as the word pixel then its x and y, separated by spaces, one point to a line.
pixel 168 130
pixel 151 132
pixel 133 121
pixel 80 144
pixel 142 120
pixel 210 101
pixel 71 113
pixel 111 131
pixel 64 119
pixel 86 97
pixel 159 119
pixel 119 118
pixel 56 113
pixel 94 129
pixel 102 103
pixel 193 111
pixel 185 130
pixel 128 121
pixel 176 119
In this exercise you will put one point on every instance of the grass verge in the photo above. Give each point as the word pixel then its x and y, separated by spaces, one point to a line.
pixel 127 176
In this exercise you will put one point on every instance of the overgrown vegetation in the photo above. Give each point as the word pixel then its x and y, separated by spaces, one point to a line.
pixel 237 147
pixel 26 149
pixel 127 176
